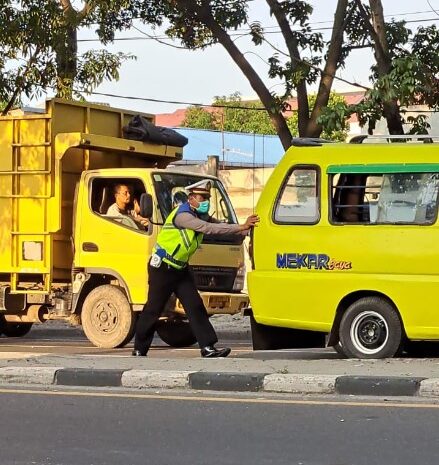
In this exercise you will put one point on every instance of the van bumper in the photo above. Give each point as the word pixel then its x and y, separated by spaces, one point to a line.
pixel 221 303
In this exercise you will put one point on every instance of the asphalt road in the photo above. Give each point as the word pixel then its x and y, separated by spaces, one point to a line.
pixel 72 341
pixel 106 428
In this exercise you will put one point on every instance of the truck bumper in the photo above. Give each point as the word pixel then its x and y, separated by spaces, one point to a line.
pixel 221 303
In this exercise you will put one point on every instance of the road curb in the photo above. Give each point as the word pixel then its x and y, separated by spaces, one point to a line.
pixel 223 381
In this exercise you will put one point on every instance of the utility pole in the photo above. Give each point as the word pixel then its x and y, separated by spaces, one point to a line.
pixel 212 165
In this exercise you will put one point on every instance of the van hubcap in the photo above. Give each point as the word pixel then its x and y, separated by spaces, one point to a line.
pixel 369 332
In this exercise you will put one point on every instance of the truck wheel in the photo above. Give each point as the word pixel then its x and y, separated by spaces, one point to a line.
pixel 107 319
pixel 370 328
pixel 11 329
pixel 176 333
pixel 2 324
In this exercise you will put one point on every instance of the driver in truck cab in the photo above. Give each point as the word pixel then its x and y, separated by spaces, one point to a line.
pixel 169 273
pixel 120 207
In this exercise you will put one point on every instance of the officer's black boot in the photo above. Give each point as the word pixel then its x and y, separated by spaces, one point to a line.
pixel 138 353
pixel 212 351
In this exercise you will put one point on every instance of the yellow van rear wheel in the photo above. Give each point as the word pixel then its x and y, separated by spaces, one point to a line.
pixel 370 328
pixel 107 318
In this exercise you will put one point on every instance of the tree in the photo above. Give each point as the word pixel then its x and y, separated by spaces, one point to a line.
pixel 38 46
pixel 232 114
pixel 406 73
pixel 336 133
pixel 199 118
pixel 200 23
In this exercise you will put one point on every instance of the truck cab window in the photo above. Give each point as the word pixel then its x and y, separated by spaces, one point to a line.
pixel 388 198
pixel 170 192
pixel 298 201
pixel 117 200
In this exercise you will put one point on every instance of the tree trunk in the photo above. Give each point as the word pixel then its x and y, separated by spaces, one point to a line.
pixel 384 63
pixel 293 49
pixel 334 53
pixel 67 61
pixel 204 15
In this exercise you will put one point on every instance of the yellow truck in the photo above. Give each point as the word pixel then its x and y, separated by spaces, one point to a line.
pixel 62 257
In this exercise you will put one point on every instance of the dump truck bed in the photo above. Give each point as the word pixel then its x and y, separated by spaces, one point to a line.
pixel 42 157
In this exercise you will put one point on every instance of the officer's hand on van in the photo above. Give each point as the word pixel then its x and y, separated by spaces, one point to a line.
pixel 251 221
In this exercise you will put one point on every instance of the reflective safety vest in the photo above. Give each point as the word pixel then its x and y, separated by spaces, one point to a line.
pixel 175 245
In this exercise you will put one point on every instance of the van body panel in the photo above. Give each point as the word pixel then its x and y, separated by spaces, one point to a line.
pixel 304 271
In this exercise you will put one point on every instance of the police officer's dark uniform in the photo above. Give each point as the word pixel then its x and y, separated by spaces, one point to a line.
pixel 168 273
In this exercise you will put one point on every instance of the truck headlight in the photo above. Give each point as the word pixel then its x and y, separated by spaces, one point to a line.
pixel 238 284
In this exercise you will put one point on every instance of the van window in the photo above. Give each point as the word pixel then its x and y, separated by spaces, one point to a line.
pixel 298 201
pixel 388 198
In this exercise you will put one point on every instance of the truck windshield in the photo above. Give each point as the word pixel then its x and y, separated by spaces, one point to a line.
pixel 170 191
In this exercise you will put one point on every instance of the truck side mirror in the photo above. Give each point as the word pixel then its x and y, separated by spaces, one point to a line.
pixel 146 205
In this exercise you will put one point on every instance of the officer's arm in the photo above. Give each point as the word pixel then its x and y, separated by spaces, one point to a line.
pixel 187 221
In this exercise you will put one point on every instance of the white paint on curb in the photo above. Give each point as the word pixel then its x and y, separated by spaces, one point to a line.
pixel 156 379
pixel 300 384
pixel 28 375
pixel 429 387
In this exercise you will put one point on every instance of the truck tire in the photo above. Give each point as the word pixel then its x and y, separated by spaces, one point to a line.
pixel 176 333
pixel 107 318
pixel 370 328
pixel 2 324
pixel 11 329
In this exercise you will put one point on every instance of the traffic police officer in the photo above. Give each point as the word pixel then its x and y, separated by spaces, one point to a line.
pixel 168 270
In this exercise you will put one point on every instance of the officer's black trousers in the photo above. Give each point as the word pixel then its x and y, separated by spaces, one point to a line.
pixel 164 281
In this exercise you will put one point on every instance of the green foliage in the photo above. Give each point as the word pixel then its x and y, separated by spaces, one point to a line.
pixel 38 49
pixel 199 118
pixel 413 78
pixel 336 130
pixel 230 117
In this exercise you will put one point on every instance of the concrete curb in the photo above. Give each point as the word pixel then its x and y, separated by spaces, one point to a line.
pixel 222 381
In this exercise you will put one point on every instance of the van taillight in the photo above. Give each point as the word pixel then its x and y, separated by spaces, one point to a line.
pixel 251 248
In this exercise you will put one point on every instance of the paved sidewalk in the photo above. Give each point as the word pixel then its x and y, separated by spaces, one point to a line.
pixel 307 371
pixel 300 372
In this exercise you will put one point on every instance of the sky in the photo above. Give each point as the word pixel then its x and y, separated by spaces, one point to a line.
pixel 162 72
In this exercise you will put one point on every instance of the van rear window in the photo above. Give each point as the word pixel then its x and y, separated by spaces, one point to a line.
pixel 298 201
pixel 387 198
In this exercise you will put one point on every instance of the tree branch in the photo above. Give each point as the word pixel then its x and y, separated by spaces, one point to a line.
pixel 204 15
pixel 19 78
pixel 88 7
pixel 293 49
pixel 67 6
pixel 327 78
pixel 381 51
pixel 320 70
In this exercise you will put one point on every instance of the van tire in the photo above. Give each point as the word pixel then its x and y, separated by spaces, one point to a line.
pixel 339 349
pixel 107 318
pixel 370 328
pixel 176 333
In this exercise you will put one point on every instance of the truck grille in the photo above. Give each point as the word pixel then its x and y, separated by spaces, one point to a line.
pixel 214 279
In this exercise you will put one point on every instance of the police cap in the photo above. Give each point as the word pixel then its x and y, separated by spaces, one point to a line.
pixel 201 187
